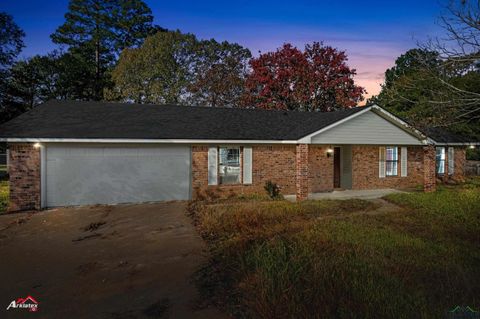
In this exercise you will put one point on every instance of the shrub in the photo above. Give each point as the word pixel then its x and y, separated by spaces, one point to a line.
pixel 273 190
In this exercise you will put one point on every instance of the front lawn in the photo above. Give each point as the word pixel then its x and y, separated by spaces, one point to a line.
pixel 342 259
pixel 3 195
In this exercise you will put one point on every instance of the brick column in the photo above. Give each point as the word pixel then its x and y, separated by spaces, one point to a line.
pixel 429 172
pixel 301 176
pixel 24 172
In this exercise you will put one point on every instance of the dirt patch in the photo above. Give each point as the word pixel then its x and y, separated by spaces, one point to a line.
pixel 87 268
pixel 124 261
pixel 158 309
pixel 94 226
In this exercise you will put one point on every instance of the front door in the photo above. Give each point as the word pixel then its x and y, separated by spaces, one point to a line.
pixel 336 167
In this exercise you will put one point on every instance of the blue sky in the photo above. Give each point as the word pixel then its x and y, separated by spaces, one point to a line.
pixel 373 33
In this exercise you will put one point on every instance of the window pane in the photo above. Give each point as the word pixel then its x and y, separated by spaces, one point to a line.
pixel 392 153
pixel 391 168
pixel 391 163
pixel 229 165
pixel 440 160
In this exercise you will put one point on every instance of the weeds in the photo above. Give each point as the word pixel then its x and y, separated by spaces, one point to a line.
pixel 321 259
pixel 4 190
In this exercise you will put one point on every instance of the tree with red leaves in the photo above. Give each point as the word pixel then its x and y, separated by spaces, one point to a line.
pixel 317 79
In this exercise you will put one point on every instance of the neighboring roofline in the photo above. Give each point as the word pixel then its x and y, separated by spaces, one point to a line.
pixel 456 143
pixel 132 140
pixel 388 117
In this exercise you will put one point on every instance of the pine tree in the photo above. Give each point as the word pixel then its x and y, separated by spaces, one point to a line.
pixel 97 31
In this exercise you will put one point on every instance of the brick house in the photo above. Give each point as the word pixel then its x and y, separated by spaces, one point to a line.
pixel 66 153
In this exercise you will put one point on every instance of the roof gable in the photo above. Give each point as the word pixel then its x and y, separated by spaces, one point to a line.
pixel 367 128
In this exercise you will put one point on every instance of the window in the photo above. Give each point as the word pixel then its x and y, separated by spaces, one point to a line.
pixel 229 165
pixel 391 160
pixel 440 160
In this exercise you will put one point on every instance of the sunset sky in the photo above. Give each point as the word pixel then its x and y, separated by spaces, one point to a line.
pixel 373 33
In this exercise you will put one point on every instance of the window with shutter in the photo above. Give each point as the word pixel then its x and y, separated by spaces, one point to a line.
pixel 451 160
pixel 391 161
pixel 404 163
pixel 212 166
pixel 381 162
pixel 229 165
pixel 440 160
pixel 247 165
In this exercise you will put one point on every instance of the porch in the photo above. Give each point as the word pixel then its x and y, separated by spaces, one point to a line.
pixel 342 171
pixel 349 194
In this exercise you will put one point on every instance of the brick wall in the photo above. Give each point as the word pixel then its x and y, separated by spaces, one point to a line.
pixel 460 162
pixel 429 171
pixel 460 154
pixel 269 162
pixel 24 171
pixel 365 169
pixel 320 169
pixel 302 171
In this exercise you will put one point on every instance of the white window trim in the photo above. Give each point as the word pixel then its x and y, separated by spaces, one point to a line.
pixel 397 160
pixel 239 160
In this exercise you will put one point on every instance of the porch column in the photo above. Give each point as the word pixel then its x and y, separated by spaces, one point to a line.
pixel 302 172
pixel 429 171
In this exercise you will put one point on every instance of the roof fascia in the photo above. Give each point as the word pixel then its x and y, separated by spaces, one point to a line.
pixel 148 141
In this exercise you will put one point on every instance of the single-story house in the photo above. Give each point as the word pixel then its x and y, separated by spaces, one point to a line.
pixel 66 153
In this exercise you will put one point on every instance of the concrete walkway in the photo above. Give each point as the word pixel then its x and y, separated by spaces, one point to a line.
pixel 349 194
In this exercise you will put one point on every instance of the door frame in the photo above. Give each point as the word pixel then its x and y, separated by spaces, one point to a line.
pixel 337 167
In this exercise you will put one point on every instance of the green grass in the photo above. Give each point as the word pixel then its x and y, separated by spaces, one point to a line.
pixel 322 260
pixel 3 196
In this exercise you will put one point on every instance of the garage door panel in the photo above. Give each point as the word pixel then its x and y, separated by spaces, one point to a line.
pixel 92 175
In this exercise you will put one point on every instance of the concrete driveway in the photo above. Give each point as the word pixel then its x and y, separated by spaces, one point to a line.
pixel 126 261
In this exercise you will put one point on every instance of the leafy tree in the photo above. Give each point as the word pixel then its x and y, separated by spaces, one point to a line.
pixel 409 63
pixel 97 31
pixel 408 83
pixel 172 67
pixel 419 89
pixel 317 79
pixel 220 72
pixel 11 44
pixel 40 78
pixel 157 72
pixel 11 40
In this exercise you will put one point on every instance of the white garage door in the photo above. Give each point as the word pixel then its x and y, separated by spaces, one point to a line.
pixel 108 174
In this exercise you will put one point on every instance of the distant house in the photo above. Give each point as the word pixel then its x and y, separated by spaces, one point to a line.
pixel 78 153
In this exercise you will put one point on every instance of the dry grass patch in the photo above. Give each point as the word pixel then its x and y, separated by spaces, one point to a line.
pixel 4 195
pixel 321 259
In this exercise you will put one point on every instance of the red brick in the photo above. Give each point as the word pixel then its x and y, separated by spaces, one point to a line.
pixel 274 163
pixel 24 172
pixel 302 172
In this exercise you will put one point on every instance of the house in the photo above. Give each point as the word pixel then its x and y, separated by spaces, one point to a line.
pixel 77 153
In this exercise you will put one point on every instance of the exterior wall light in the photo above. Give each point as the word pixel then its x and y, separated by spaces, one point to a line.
pixel 471 147
pixel 37 145
pixel 329 152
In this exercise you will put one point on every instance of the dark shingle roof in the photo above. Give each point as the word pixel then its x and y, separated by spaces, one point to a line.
pixel 443 136
pixel 73 119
